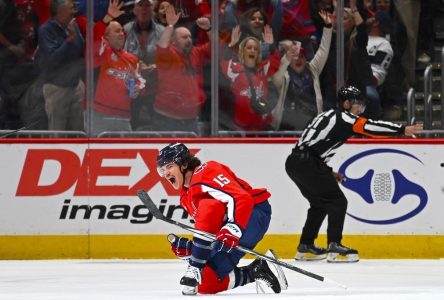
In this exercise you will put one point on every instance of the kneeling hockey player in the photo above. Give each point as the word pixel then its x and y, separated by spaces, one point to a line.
pixel 225 205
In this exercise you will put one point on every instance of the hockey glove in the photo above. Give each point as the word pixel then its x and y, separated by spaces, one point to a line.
pixel 180 246
pixel 229 236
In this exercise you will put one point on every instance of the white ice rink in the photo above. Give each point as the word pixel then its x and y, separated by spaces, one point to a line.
pixel 158 279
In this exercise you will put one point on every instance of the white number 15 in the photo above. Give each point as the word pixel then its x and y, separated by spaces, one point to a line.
pixel 221 180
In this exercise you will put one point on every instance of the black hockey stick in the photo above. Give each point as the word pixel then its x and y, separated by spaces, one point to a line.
pixel 148 202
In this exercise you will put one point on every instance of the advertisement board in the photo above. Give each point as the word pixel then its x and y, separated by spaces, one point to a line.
pixel 89 189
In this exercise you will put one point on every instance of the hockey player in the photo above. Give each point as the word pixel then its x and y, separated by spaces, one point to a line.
pixel 222 204
pixel 307 167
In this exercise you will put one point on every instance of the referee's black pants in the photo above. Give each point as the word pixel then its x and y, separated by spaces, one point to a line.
pixel 316 182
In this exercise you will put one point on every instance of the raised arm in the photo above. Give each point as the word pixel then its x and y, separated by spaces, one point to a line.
pixel 321 56
pixel 276 19
pixel 204 24
pixel 171 18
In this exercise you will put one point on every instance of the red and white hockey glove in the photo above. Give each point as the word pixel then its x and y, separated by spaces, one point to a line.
pixel 229 236
pixel 180 246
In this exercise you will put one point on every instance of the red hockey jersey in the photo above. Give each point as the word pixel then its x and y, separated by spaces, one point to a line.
pixel 244 115
pixel 216 195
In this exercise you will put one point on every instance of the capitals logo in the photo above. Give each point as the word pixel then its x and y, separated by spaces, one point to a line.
pixel 391 186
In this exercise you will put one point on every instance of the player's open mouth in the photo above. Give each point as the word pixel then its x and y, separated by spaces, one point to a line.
pixel 172 180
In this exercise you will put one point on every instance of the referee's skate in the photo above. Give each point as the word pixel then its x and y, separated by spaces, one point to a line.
pixel 338 253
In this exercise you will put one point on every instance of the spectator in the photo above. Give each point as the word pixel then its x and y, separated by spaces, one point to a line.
pixel 409 12
pixel 61 50
pixel 249 81
pixel 190 11
pixel 17 31
pixel 252 23
pixel 253 16
pixel 426 37
pixel 379 49
pixel 358 70
pixel 180 94
pixel 117 68
pixel 385 5
pixel 232 11
pixel 298 80
pixel 356 63
pixel 393 91
pixel 160 12
pixel 142 35
pixel 28 16
pixel 12 55
pixel 19 23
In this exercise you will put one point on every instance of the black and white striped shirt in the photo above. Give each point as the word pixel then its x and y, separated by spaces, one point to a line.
pixel 332 128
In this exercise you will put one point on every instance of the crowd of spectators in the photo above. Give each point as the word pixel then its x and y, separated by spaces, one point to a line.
pixel 152 62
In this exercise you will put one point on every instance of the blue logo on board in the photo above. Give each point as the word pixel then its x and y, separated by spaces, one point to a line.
pixel 385 186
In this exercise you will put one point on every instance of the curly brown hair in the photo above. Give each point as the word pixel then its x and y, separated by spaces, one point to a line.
pixel 191 161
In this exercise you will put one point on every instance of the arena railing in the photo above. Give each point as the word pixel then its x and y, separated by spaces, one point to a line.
pixel 41 134
pixel 143 134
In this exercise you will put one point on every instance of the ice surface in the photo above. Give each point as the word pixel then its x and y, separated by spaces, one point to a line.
pixel 159 279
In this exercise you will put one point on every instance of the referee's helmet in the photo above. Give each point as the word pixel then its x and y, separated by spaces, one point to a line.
pixel 350 93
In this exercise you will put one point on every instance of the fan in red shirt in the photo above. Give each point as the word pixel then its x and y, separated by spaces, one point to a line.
pixel 249 81
pixel 119 80
pixel 222 204
pixel 180 95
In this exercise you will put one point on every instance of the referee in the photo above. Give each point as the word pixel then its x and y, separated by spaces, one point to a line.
pixel 307 167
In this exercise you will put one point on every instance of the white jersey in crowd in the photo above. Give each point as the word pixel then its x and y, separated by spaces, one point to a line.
pixel 380 53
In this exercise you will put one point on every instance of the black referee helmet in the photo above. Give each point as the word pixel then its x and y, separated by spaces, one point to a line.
pixel 350 93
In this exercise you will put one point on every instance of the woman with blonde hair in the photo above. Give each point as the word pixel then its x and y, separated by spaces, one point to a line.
pixel 249 81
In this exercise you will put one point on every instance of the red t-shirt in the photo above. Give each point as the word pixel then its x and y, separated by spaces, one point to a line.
pixel 180 93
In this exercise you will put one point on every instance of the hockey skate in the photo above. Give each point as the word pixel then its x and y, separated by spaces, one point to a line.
pixel 310 252
pixel 278 270
pixel 337 253
pixel 191 280
pixel 263 276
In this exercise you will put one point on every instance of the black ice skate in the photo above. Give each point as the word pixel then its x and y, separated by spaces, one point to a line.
pixel 191 280
pixel 310 252
pixel 277 270
pixel 337 253
pixel 261 273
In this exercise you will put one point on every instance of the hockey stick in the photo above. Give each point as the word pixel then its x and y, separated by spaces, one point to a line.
pixel 148 202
